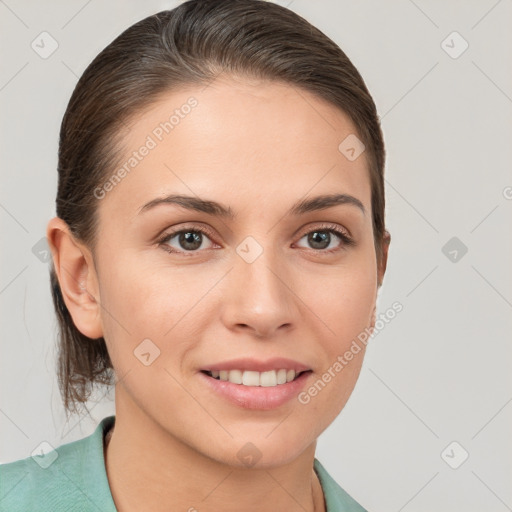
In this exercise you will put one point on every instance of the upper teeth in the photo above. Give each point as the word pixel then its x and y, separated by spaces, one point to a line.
pixel 251 378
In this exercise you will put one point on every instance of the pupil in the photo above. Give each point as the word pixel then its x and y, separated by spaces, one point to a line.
pixel 319 237
pixel 192 238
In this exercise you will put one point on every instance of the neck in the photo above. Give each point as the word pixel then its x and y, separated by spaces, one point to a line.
pixel 149 469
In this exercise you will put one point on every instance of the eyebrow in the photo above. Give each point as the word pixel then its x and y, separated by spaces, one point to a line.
pixel 213 208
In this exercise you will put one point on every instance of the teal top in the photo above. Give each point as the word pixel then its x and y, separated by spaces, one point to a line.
pixel 73 477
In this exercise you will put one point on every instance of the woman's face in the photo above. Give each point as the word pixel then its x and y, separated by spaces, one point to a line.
pixel 259 283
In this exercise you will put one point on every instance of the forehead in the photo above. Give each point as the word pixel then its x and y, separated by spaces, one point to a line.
pixel 240 140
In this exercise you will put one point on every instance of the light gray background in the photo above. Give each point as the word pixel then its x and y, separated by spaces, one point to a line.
pixel 440 371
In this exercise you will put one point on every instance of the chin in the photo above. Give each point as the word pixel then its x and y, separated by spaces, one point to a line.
pixel 261 451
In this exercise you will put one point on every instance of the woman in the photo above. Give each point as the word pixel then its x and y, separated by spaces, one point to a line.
pixel 217 251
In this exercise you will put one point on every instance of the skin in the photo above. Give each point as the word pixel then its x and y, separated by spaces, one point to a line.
pixel 256 147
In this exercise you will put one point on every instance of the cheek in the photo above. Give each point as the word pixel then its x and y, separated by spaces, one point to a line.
pixel 141 296
pixel 143 300
pixel 344 303
pixel 344 300
pixel 136 305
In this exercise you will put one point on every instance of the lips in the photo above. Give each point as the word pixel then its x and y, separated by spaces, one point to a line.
pixel 256 397
pixel 256 384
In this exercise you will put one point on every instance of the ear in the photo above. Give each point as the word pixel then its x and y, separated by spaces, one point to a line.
pixel 77 277
pixel 386 240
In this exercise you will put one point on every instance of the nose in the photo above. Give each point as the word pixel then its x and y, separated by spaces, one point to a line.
pixel 259 298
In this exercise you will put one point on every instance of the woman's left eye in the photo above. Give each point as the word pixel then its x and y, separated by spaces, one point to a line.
pixel 321 238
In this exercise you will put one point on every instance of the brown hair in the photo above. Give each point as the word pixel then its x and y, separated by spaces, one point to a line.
pixel 191 44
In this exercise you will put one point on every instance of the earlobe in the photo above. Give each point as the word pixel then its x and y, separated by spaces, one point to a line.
pixel 77 278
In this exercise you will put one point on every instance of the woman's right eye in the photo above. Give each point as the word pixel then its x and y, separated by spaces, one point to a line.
pixel 185 240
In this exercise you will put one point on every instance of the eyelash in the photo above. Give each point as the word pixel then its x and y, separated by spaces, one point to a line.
pixel 328 228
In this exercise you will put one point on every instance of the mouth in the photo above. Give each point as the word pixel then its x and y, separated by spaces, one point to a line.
pixel 250 378
pixel 256 384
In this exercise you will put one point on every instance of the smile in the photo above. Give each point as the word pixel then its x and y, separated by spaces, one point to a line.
pixel 253 378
